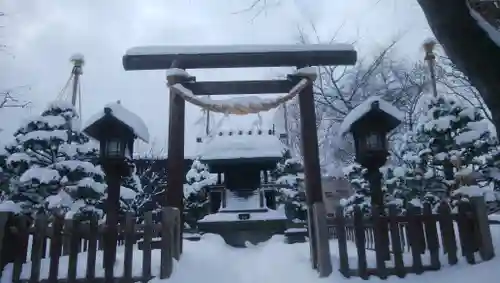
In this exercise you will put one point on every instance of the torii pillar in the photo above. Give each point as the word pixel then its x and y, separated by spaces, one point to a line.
pixel 243 56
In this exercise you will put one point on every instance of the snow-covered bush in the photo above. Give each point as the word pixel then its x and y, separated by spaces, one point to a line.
pixel 50 166
pixel 458 149
pixel 130 190
pixel 289 172
pixel 355 174
pixel 196 204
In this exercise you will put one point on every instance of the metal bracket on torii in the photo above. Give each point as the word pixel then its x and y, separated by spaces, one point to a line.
pixel 210 57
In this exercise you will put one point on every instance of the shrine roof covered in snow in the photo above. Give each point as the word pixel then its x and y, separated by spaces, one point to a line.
pixel 361 110
pixel 238 56
pixel 240 146
pixel 131 120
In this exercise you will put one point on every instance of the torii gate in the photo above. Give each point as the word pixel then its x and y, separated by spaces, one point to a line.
pixel 183 87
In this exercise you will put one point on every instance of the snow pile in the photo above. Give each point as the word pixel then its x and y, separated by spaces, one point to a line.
pixel 240 145
pixel 218 49
pixel 268 215
pixel 364 108
pixel 125 116
pixel 176 72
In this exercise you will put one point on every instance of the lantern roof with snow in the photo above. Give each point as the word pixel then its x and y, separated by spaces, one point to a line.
pixel 241 147
pixel 115 112
pixel 374 113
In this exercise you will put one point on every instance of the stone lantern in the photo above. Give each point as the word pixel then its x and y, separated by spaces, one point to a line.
pixel 116 129
pixel 369 124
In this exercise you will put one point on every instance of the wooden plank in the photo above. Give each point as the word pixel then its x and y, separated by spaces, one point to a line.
pixel 414 238
pixel 36 250
pixel 448 233
pixel 146 250
pixel 166 245
pixel 380 246
pixel 431 236
pixel 4 217
pixel 340 231
pixel 129 246
pixel 24 224
pixel 44 244
pixel 55 248
pixel 486 249
pixel 174 196
pixel 93 235
pixel 396 243
pixel 323 246
pixel 22 231
pixel 239 57
pixel 239 87
pixel 71 227
pixel 360 243
pixel 177 233
pixel 419 229
pixel 466 232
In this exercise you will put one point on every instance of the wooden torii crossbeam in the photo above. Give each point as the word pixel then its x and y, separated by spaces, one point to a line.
pixel 241 56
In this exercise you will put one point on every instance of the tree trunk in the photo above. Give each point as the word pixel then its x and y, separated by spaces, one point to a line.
pixel 468 46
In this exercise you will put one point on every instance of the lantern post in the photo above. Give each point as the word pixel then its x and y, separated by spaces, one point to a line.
pixel 369 124
pixel 375 119
pixel 116 136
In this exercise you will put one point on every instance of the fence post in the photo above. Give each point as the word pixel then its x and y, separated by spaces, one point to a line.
pixel 5 236
pixel 486 249
pixel 322 244
pixel 177 233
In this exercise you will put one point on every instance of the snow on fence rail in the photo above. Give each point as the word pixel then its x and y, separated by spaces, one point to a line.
pixel 71 251
pixel 421 233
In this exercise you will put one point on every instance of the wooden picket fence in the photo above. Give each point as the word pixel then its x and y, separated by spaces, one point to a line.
pixel 370 235
pixel 399 242
pixel 66 242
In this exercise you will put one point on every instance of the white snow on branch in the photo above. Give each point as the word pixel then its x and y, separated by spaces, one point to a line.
pixel 470 191
pixel 42 175
pixel 10 206
pixel 56 135
pixel 364 108
pixel 125 116
pixel 218 49
pixel 127 193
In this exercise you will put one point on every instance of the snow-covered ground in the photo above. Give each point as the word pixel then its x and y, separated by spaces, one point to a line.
pixel 211 260
pixel 276 262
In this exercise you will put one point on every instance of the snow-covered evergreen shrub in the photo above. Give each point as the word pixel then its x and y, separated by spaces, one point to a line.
pixel 196 204
pixel 130 190
pixel 355 174
pixel 50 166
pixel 153 190
pixel 290 172
pixel 458 146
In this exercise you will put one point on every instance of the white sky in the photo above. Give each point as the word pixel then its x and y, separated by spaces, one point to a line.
pixel 41 35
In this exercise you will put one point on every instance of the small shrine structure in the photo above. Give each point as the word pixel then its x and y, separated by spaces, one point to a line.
pixel 243 203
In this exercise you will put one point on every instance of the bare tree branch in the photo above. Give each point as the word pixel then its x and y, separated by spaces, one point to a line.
pixel 8 99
